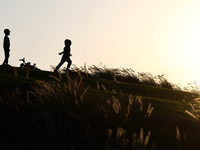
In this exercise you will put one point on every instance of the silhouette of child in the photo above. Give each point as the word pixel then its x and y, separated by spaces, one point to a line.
pixel 66 55
pixel 6 46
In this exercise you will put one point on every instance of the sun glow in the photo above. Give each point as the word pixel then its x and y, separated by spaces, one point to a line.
pixel 189 34
pixel 185 42
pixel 191 42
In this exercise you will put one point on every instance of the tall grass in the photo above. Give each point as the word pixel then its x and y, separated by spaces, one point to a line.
pixel 194 108
pixel 125 75
pixel 194 112
pixel 68 115
pixel 192 87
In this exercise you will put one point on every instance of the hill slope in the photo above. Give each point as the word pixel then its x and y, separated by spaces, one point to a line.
pixel 169 108
pixel 164 100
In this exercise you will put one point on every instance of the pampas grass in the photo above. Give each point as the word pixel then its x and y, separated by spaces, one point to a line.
pixel 61 91
pixel 120 141
pixel 123 74
pixel 195 108
pixel 64 114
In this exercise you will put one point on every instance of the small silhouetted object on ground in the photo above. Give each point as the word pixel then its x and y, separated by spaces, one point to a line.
pixel 28 64
pixel 6 46
pixel 66 55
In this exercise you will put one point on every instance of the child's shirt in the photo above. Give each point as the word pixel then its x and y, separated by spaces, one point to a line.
pixel 66 51
pixel 6 43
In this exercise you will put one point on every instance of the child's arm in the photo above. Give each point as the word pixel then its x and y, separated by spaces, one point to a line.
pixel 61 53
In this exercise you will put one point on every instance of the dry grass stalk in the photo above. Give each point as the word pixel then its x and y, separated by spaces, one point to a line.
pixel 141 135
pixel 80 82
pixel 51 76
pixel 197 100
pixel 81 98
pixel 60 75
pixel 78 71
pixel 126 116
pixel 139 144
pixel 75 83
pixel 130 100
pixel 191 114
pixel 116 105
pixel 46 85
pixel 136 103
pixel 120 132
pixel 149 110
pixel 52 67
pixel 109 133
pixel 146 140
pixel 178 138
pixel 113 91
pixel 27 72
pixel 69 81
pixel 115 79
pixel 86 70
pixel 139 99
pixel 98 85
pixel 116 109
pixel 33 93
pixel 15 71
pixel 108 139
pixel 76 100
pixel 108 102
pixel 103 87
pixel 119 105
pixel 134 139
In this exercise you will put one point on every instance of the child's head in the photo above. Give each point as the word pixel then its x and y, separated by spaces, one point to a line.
pixel 67 42
pixel 7 32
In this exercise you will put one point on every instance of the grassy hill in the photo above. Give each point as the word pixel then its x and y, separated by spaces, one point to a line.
pixel 37 104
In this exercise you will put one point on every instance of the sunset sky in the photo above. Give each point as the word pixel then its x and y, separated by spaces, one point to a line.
pixel 156 36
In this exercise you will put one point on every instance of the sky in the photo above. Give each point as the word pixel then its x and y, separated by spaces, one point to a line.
pixel 156 36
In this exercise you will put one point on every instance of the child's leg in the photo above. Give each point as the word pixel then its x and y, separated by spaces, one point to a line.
pixel 69 62
pixel 60 64
pixel 6 57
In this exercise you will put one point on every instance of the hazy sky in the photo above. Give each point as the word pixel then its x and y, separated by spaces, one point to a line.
pixel 157 36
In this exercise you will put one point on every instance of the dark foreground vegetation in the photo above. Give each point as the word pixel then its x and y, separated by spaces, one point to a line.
pixel 94 109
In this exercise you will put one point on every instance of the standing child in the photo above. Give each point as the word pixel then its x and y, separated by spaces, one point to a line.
pixel 66 55
pixel 6 46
